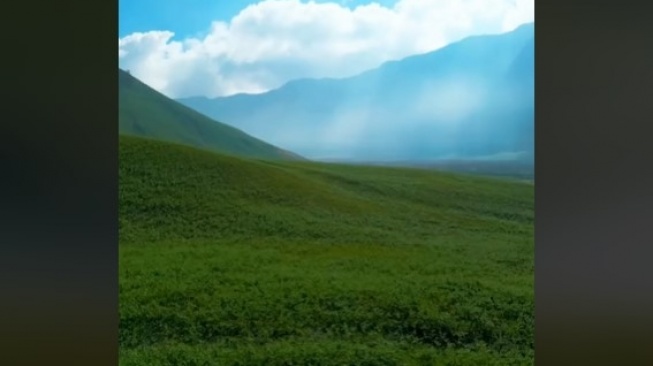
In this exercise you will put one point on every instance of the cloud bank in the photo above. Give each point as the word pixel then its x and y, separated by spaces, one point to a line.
pixel 274 41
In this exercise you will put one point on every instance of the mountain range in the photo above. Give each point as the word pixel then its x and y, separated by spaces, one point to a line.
pixel 470 99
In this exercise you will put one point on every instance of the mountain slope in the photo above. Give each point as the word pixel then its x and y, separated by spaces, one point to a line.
pixel 227 260
pixel 147 113
pixel 467 99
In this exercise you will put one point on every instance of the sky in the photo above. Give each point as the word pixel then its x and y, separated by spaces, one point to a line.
pixel 213 48
pixel 190 18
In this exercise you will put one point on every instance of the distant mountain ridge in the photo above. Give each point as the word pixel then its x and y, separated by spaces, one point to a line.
pixel 147 113
pixel 470 98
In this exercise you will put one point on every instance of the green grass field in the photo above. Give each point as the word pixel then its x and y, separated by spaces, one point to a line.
pixel 229 261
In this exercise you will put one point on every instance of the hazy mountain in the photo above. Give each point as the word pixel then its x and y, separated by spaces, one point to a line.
pixel 147 113
pixel 471 98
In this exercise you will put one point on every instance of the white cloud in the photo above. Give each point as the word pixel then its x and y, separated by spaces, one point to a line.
pixel 274 41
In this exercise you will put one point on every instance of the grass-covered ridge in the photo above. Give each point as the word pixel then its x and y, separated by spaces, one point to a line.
pixel 145 112
pixel 233 261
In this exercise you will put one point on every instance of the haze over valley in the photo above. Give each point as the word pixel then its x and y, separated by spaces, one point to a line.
pixel 471 99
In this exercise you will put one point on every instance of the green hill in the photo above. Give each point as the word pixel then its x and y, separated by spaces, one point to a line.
pixel 147 113
pixel 233 261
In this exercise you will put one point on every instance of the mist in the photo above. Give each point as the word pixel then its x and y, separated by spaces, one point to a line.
pixel 471 99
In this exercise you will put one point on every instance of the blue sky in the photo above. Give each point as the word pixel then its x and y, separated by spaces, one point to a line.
pixel 215 48
pixel 190 18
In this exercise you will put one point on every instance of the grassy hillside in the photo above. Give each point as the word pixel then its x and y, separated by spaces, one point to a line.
pixel 229 261
pixel 147 113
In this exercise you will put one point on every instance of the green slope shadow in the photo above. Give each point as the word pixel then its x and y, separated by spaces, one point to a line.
pixel 147 113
